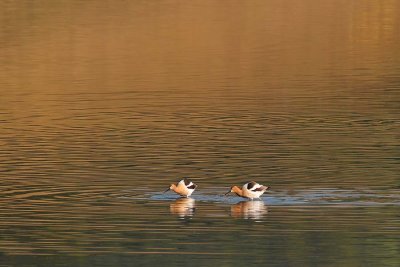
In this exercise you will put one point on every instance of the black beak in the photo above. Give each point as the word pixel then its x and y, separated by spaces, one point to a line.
pixel 166 190
pixel 227 193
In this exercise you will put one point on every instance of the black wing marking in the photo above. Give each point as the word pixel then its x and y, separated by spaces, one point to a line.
pixel 186 181
pixel 250 185
pixel 261 188
pixel 193 186
pixel 189 184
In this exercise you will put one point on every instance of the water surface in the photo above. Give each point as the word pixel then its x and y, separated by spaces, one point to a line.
pixel 103 105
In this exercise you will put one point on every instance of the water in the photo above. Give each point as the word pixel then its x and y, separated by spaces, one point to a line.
pixel 103 105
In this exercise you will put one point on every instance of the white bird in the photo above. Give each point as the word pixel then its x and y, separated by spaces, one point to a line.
pixel 249 190
pixel 184 188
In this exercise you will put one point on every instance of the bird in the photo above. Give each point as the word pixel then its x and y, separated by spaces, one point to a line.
pixel 184 187
pixel 249 190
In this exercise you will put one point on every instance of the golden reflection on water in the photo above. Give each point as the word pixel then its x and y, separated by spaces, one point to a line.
pixel 248 209
pixel 100 97
pixel 141 47
pixel 183 207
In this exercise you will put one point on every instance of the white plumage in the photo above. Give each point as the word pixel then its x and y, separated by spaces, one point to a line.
pixel 249 190
pixel 184 187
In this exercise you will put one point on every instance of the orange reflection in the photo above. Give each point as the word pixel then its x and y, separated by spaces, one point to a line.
pixel 183 207
pixel 254 210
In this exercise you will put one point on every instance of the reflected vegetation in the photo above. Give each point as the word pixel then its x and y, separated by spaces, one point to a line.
pixel 249 209
pixel 183 207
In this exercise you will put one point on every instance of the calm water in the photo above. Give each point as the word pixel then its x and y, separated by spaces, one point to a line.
pixel 104 103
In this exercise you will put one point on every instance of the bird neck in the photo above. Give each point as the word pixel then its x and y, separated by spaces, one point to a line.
pixel 173 187
pixel 237 191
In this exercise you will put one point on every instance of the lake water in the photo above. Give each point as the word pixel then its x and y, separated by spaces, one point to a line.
pixel 103 104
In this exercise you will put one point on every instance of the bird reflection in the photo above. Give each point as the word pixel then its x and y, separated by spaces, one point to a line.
pixel 253 210
pixel 184 207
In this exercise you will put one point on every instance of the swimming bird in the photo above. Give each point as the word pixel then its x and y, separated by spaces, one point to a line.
pixel 249 190
pixel 184 188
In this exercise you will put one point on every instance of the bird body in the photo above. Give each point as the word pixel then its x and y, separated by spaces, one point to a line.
pixel 184 187
pixel 249 190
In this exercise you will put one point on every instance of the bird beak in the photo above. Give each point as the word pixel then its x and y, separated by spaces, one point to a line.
pixel 227 193
pixel 166 191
